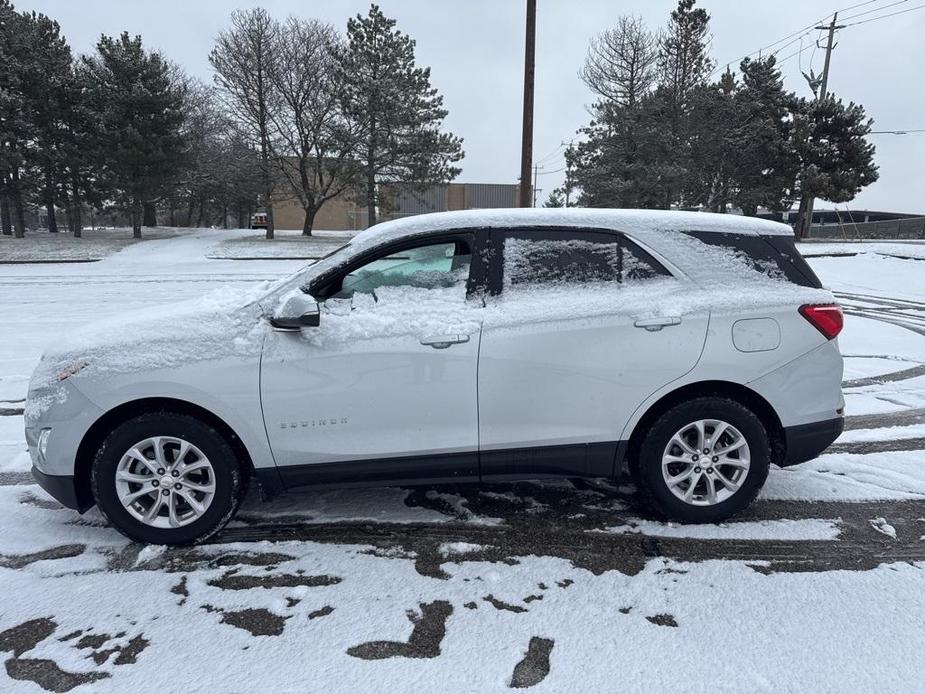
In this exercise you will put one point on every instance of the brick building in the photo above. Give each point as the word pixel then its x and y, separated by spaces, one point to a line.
pixel 342 213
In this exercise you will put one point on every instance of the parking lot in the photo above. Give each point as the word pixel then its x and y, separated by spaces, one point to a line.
pixel 558 585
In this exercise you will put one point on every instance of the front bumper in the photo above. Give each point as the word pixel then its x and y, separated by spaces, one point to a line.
pixel 63 488
pixel 806 441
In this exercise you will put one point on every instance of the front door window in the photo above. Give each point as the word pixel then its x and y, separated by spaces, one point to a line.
pixel 433 266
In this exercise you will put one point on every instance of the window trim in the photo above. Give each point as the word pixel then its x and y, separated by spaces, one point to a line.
pixel 495 278
pixel 319 286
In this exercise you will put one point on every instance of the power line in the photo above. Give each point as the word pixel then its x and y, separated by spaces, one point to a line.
pixel 802 49
pixel 875 9
pixel 896 132
pixel 851 7
pixel 799 34
pixel 552 153
pixel 884 16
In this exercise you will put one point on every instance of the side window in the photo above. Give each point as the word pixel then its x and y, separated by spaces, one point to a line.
pixel 429 266
pixel 639 265
pixel 775 257
pixel 568 258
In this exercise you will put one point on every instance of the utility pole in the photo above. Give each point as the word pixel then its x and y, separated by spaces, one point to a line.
pixel 828 56
pixel 526 149
pixel 568 173
pixel 806 219
pixel 536 173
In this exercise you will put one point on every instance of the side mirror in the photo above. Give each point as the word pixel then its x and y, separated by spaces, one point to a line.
pixel 298 311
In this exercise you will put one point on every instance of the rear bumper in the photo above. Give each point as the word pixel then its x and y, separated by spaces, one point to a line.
pixel 62 487
pixel 806 441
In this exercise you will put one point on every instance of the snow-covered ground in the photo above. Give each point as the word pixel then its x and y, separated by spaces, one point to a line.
pixel 558 586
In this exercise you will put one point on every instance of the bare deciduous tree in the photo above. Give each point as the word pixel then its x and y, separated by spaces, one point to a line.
pixel 244 59
pixel 317 142
pixel 621 63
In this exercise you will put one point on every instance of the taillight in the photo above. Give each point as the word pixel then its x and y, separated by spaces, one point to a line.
pixel 826 318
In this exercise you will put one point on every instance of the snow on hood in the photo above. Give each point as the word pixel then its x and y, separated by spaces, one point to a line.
pixel 219 324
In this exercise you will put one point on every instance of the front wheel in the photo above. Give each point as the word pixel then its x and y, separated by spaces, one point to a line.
pixel 166 478
pixel 703 460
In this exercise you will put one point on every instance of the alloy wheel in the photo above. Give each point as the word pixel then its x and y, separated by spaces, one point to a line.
pixel 706 462
pixel 165 482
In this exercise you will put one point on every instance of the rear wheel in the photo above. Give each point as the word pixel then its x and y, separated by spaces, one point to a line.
pixel 167 478
pixel 703 460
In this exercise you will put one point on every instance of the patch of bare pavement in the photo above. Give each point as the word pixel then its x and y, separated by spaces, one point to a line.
pixel 567 521
pixel 426 636
pixel 49 675
pixel 535 665
pixel 571 522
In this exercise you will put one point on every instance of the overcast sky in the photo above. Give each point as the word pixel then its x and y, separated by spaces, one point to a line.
pixel 475 50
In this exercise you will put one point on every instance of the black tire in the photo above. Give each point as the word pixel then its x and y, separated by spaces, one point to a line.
pixel 647 466
pixel 230 481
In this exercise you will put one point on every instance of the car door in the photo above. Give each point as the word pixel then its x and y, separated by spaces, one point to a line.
pixel 574 340
pixel 384 388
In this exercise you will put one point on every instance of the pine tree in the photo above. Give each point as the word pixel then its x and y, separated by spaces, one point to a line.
pixel 836 161
pixel 81 149
pixel 14 127
pixel 715 145
pixel 639 147
pixel 556 198
pixel 139 120
pixel 399 113
pixel 762 139
pixel 683 52
pixel 683 67
pixel 629 158
pixel 45 81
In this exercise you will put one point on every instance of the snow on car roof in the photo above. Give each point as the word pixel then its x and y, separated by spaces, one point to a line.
pixel 639 221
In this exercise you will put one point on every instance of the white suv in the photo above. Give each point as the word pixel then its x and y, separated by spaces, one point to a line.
pixel 463 346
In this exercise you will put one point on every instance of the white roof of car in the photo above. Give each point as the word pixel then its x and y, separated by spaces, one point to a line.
pixel 639 221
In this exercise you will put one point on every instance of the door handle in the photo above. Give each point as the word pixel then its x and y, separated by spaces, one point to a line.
pixel 444 341
pixel 657 323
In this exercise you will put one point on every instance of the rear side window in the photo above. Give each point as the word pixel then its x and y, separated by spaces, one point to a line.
pixel 775 256
pixel 568 258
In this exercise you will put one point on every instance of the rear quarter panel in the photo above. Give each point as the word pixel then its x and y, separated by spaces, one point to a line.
pixel 800 378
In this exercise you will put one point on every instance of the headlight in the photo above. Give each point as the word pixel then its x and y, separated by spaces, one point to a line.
pixel 71 369
pixel 42 443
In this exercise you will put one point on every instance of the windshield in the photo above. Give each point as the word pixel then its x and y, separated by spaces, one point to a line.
pixel 326 262
pixel 301 277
